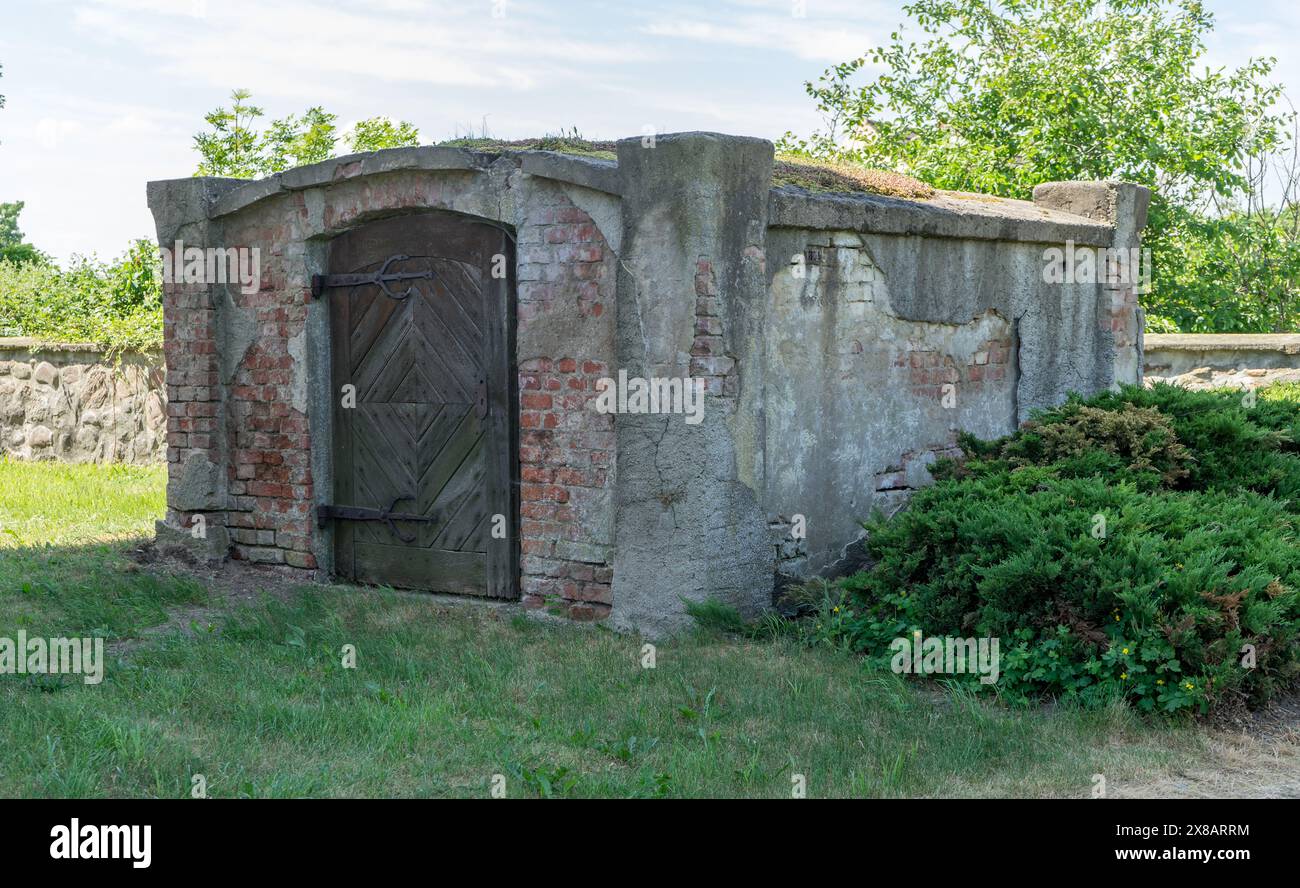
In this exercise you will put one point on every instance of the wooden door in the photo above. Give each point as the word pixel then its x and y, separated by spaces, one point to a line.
pixel 424 453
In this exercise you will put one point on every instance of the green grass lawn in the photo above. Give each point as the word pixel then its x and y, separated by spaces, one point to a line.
pixel 444 697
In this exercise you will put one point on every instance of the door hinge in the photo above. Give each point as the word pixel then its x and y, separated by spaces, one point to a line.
pixel 325 513
pixel 481 402
pixel 381 279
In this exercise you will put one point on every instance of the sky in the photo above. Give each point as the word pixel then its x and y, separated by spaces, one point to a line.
pixel 104 95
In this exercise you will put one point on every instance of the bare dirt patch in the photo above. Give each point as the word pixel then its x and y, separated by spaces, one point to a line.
pixel 233 584
pixel 230 584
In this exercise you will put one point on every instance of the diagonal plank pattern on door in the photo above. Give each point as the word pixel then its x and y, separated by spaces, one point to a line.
pixel 418 440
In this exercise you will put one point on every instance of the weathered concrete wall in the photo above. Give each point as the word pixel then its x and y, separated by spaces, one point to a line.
pixel 1212 360
pixel 842 342
pixel 846 341
pixel 855 392
pixel 892 326
pixel 68 403
pixel 689 524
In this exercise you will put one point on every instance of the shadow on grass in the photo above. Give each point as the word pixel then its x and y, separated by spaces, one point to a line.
pixel 89 589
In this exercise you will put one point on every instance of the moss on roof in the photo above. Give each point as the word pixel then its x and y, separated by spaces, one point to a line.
pixel 816 175
pixel 559 144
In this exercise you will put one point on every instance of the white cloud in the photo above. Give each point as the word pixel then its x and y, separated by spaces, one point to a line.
pixel 50 132
pixel 277 46
pixel 800 37
pixel 827 31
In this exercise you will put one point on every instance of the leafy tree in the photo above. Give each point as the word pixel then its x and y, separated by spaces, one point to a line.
pixel 12 246
pixel 999 97
pixel 134 280
pixel 1004 96
pixel 1238 267
pixel 294 141
pixel 375 133
pixel 234 147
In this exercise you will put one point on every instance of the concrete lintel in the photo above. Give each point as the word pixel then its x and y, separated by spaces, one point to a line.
pixel 337 169
pixel 221 197
pixel 177 203
pixel 946 215
pixel 350 166
pixel 245 195
pixel 589 172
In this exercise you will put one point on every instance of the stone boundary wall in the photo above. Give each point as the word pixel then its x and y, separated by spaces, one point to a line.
pixel 1215 360
pixel 843 341
pixel 68 402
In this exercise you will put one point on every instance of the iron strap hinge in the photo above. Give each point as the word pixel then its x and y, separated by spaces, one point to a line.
pixel 380 279
pixel 325 513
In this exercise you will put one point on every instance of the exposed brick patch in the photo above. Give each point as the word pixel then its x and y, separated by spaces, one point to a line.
pixel 709 359
pixel 895 485
pixel 1121 321
pixel 193 385
pixel 566 452
pixel 246 427
pixel 930 370
pixel 791 552
pixel 269 469
pixel 563 259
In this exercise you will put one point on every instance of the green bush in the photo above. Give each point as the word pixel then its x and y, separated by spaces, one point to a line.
pixel 1084 441
pixel 117 306
pixel 1130 545
pixel 1218 443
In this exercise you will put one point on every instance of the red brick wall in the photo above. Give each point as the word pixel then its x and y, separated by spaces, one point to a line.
pixel 1122 318
pixel 565 281
pixel 566 451
pixel 269 466
pixel 193 383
